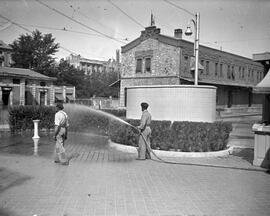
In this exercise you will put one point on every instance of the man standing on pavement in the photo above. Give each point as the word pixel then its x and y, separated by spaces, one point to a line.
pixel 144 140
pixel 60 135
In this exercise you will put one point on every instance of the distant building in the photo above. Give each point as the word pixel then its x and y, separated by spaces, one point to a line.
pixel 25 87
pixel 90 65
pixel 20 86
pixel 156 59
pixel 5 55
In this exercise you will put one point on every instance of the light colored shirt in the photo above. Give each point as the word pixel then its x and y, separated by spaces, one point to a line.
pixel 145 120
pixel 61 119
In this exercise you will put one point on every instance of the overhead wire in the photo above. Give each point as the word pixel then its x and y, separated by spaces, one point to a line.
pixel 216 42
pixel 26 29
pixel 181 8
pixel 60 29
pixel 78 22
pixel 90 18
pixel 125 13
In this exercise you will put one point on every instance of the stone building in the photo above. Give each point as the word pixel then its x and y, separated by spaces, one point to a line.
pixel 156 59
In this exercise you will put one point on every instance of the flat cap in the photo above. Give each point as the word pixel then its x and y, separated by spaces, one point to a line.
pixel 144 105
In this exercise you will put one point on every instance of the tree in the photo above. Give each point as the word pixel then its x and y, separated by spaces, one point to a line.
pixel 34 51
pixel 68 75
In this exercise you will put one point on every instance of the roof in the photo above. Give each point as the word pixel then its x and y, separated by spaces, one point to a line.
pixel 153 32
pixel 4 46
pixel 23 73
pixel 193 64
pixel 263 87
pixel 214 82
pixel 92 61
pixel 261 56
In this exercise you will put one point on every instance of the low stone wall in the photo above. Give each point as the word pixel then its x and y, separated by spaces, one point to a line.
pixel 160 153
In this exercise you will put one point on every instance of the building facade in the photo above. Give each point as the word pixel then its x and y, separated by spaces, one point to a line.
pixel 5 55
pixel 20 86
pixel 90 65
pixel 156 59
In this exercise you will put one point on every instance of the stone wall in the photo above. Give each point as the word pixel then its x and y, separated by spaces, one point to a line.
pixel 165 64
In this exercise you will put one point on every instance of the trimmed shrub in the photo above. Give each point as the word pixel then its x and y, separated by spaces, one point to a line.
pixel 200 136
pixel 161 135
pixel 81 118
pixel 182 136
pixel 21 117
pixel 123 133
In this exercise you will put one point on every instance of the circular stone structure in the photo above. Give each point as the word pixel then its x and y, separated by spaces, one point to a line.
pixel 173 102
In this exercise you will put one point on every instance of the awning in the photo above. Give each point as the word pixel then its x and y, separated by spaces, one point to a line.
pixel 218 82
pixel 263 87
pixel 192 64
pixel 59 97
pixel 70 97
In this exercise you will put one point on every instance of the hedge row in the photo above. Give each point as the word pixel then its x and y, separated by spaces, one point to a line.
pixel 181 136
pixel 21 117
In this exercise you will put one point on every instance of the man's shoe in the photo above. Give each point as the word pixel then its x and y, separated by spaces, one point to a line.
pixel 65 163
pixel 56 161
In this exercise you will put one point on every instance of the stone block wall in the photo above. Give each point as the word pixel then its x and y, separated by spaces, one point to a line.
pixel 165 59
pixel 165 64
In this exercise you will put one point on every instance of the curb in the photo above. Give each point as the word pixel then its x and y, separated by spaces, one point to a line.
pixel 161 153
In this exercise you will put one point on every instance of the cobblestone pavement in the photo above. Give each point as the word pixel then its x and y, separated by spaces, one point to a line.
pixel 103 181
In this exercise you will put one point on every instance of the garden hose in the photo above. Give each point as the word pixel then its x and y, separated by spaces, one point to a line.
pixel 189 164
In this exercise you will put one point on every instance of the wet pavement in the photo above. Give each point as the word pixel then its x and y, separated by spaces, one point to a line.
pixel 104 181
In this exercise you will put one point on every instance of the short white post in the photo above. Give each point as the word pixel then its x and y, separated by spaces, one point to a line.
pixel 36 140
pixel 36 136
pixel 35 129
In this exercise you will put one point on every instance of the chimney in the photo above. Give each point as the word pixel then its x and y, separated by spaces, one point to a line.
pixel 178 33
pixel 118 56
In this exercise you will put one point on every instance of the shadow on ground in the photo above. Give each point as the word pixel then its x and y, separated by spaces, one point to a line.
pixel 246 154
pixel 6 212
pixel 10 179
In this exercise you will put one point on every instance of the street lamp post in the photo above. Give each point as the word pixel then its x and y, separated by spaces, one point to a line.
pixel 188 32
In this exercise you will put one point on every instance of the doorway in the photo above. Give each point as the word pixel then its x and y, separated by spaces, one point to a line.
pixel 42 99
pixel 5 95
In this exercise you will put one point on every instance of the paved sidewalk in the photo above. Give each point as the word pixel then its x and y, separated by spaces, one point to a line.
pixel 103 181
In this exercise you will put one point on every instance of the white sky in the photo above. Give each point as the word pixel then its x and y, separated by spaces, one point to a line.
pixel 238 26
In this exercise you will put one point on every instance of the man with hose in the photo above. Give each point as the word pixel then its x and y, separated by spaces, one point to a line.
pixel 145 133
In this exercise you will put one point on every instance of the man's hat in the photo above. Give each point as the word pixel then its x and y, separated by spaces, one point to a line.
pixel 60 106
pixel 144 105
